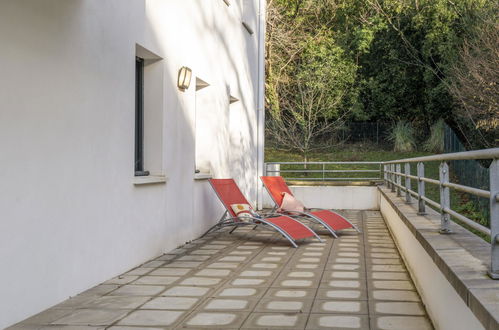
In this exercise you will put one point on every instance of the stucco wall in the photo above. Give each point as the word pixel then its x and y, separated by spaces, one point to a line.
pixel 333 197
pixel 71 216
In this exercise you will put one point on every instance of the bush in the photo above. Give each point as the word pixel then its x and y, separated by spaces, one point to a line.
pixel 435 142
pixel 402 137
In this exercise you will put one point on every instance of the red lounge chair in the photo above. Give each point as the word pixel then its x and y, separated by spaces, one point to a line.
pixel 332 221
pixel 229 193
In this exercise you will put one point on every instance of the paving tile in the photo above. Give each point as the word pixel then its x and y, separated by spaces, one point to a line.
pixel 284 305
pixel 397 308
pixel 249 282
pixel 138 290
pixel 46 317
pixel 158 280
pixel 194 258
pixel 390 276
pixel 183 264
pixel 186 291
pixel 213 272
pixel 99 290
pixel 256 273
pixel 340 306
pixel 91 317
pixel 290 293
pixel 200 281
pixel 275 320
pixel 340 294
pixel 229 304
pixel 322 321
pixel 138 271
pixel 171 303
pixel 296 284
pixel 216 320
pixel 122 279
pixel 117 302
pixel 153 264
pixel 151 318
pixel 169 272
pixel 240 292
pixel 401 323
pixel 223 265
pixel 393 285
pixel 395 295
pixel 388 268
pixel 203 252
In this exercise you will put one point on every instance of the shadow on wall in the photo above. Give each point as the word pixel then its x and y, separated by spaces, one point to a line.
pixel 241 126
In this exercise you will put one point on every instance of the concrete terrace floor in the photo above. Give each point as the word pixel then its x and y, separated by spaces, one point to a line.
pixel 253 279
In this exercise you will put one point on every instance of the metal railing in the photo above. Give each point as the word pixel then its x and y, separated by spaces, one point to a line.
pixel 393 177
pixel 392 173
pixel 326 171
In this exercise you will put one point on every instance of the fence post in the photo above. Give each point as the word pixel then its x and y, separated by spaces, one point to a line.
pixel 407 168
pixel 421 192
pixel 399 181
pixel 494 219
pixel 273 169
pixel 392 169
pixel 385 177
pixel 323 172
pixel 444 198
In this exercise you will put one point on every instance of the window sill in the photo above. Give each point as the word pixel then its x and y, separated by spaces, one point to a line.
pixel 202 176
pixel 150 179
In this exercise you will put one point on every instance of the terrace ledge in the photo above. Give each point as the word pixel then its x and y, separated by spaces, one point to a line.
pixel 462 257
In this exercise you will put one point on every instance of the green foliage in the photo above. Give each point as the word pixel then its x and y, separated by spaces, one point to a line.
pixel 388 60
pixel 435 142
pixel 402 137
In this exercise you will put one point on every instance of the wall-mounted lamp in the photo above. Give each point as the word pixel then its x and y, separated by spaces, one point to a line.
pixel 184 78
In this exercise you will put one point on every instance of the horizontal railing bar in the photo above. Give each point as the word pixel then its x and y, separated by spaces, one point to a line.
pixel 492 153
pixel 469 222
pixel 325 163
pixel 469 190
pixel 431 202
pixel 325 171
pixel 466 189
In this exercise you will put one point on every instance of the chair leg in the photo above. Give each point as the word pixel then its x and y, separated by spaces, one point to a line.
pixel 235 227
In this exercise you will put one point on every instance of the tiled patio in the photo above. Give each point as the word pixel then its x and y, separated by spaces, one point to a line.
pixel 253 279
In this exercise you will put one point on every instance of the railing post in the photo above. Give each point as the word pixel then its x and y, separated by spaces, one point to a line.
pixel 323 172
pixel 385 175
pixel 399 181
pixel 494 219
pixel 444 198
pixel 421 192
pixel 392 169
pixel 407 170
pixel 273 169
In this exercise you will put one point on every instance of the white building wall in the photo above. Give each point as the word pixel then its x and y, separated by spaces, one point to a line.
pixel 71 216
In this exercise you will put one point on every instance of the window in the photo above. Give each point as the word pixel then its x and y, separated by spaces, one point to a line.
pixel 139 117
pixel 149 95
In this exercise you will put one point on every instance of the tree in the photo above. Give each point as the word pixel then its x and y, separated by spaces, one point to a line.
pixel 312 103
pixel 474 82
pixel 310 81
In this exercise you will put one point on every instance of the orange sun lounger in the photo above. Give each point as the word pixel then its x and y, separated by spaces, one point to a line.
pixel 332 221
pixel 229 194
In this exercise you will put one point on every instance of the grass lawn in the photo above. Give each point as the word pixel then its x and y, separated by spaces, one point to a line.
pixel 360 152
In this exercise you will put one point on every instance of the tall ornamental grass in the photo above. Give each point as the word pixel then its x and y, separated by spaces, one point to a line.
pixel 402 137
pixel 435 142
